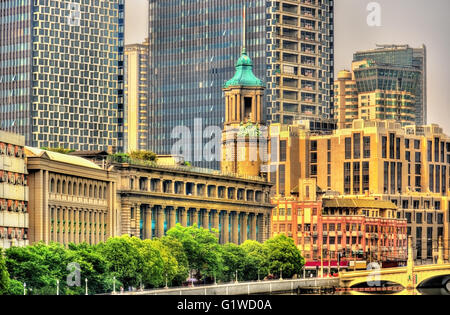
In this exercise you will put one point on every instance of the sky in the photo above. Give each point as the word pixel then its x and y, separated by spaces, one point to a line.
pixel 412 22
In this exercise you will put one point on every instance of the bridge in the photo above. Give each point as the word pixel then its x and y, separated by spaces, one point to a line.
pixel 410 277
pixel 246 288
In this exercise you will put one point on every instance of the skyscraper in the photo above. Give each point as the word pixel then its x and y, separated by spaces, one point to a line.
pixel 61 72
pixel 192 50
pixel 136 97
pixel 404 56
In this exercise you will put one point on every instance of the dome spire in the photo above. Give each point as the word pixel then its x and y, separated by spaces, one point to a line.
pixel 243 30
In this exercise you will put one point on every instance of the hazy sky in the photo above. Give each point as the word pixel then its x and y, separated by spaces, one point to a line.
pixel 413 22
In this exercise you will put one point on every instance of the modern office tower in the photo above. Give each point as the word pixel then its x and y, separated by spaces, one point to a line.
pixel 409 166
pixel 404 56
pixel 14 191
pixel 61 72
pixel 193 49
pixel 375 91
pixel 136 97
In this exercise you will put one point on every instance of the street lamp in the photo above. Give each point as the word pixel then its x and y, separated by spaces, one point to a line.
pixel 281 273
pixel 24 288
pixel 236 277
pixel 57 287
pixel 86 280
pixel 166 287
pixel 114 285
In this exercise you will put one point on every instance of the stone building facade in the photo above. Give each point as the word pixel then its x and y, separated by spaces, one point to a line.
pixel 72 200
pixel 153 199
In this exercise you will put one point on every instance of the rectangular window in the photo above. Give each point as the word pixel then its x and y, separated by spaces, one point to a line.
pixel 419 218
pixel 384 147
pixel 438 179
pixel 366 141
pixel 442 152
pixel 444 179
pixel 398 149
pixel 348 148
pixel 347 178
pixel 356 178
pixel 408 217
pixel 283 148
pixel 431 179
pixel 408 156
pixel 356 146
pixel 407 143
pixel 392 146
pixel 436 149
pixel 399 177
pixel 429 151
pixel 416 144
pixel 314 145
pixel 386 177
pixel 281 178
pixel 393 182
pixel 366 176
pixel 418 157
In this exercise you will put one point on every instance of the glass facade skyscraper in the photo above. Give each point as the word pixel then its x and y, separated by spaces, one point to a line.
pixel 61 72
pixel 405 57
pixel 194 44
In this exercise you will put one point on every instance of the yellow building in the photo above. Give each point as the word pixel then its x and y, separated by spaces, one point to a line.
pixel 408 166
pixel 136 96
pixel 374 91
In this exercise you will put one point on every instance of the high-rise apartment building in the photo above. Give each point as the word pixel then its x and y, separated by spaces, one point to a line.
pixel 136 97
pixel 192 49
pixel 61 72
pixel 376 92
pixel 404 56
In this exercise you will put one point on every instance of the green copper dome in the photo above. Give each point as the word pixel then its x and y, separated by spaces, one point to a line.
pixel 244 73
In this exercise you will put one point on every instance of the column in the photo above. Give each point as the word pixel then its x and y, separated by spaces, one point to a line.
pixel 244 227
pixel 82 220
pixel 260 223
pixel 173 218
pixel 160 222
pixel 235 228
pixel 194 216
pixel 148 222
pixel 183 217
pixel 215 219
pixel 205 219
pixel 225 227
pixel 253 227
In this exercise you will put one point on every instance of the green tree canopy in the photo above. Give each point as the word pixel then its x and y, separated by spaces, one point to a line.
pixel 59 150
pixel 4 275
pixel 234 258
pixel 256 261
pixel 201 247
pixel 283 254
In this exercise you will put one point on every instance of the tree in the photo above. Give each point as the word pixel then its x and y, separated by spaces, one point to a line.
pixel 152 272
pixel 201 247
pixel 256 261
pixel 234 258
pixel 175 248
pixel 143 155
pixel 4 276
pixel 39 266
pixel 282 254
pixel 93 266
pixel 124 259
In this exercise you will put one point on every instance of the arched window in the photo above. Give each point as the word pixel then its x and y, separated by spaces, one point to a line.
pixel 69 188
pixel 90 191
pixel 100 193
pixel 58 186
pixel 63 190
pixel 80 189
pixel 74 191
pixel 95 191
pixel 52 185
pixel 85 190
pixel 104 192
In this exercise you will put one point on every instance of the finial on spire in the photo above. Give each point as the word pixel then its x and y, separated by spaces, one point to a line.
pixel 244 30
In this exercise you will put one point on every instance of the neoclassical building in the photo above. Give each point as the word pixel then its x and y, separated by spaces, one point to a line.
pixel 154 198
pixel 72 200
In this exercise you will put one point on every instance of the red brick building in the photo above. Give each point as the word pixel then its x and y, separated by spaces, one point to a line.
pixel 335 230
